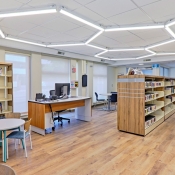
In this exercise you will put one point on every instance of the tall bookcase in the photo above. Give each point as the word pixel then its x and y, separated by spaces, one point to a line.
pixel 144 102
pixel 6 88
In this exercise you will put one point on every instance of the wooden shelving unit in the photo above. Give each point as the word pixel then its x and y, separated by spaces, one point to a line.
pixel 144 102
pixel 6 88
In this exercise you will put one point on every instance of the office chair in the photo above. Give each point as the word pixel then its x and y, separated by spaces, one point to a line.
pixel 114 98
pixel 52 92
pixel 100 100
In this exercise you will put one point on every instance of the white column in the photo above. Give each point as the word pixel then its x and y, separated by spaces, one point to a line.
pixel 73 75
pixel 35 76
pixel 2 55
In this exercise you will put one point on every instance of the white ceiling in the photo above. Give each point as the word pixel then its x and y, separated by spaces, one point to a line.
pixel 59 29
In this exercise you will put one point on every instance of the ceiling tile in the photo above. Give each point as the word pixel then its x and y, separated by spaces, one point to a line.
pixel 165 48
pixel 106 22
pixel 61 38
pixel 107 8
pixel 85 50
pixel 160 9
pixel 139 43
pixel 29 36
pixel 153 33
pixel 9 5
pixel 143 2
pixel 41 31
pixel 128 54
pixel 105 41
pixel 84 2
pixel 70 4
pixel 10 31
pixel 60 25
pixel 88 14
pixel 16 24
pixel 116 34
pixel 81 32
pixel 127 38
pixel 24 1
pixel 131 17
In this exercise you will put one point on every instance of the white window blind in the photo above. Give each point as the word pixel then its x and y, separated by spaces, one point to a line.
pixel 99 80
pixel 54 70
pixel 20 81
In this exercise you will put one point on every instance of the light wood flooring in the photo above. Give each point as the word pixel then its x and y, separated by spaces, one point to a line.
pixel 97 148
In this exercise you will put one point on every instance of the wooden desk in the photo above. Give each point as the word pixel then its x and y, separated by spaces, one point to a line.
pixel 41 112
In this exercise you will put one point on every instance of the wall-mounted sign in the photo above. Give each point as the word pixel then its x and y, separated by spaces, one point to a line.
pixel 73 70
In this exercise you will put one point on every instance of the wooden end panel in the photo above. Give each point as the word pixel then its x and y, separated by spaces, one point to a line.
pixel 36 111
pixel 131 102
pixel 64 105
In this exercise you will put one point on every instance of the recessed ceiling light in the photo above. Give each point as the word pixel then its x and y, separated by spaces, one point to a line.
pixel 141 64
pixel 170 32
pixel 128 49
pixel 101 53
pixel 134 28
pixel 23 41
pixel 29 12
pixel 2 34
pixel 65 12
pixel 145 56
pixel 160 44
pixel 102 57
pixel 123 59
pixel 66 45
pixel 93 37
pixel 90 45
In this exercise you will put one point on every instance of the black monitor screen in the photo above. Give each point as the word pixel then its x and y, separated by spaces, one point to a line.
pixel 59 86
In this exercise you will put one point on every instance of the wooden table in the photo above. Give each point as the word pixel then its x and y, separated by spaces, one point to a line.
pixel 6 124
pixel 41 112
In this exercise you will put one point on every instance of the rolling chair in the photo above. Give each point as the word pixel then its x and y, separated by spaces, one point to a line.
pixel 52 92
pixel 100 100
pixel 114 98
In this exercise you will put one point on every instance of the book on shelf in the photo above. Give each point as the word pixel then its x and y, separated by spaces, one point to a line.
pixel 149 120
pixel 153 84
pixel 149 108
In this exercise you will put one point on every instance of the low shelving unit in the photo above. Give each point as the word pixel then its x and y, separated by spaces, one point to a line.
pixel 144 102
pixel 6 88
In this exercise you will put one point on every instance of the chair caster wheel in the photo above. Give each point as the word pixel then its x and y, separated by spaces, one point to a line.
pixel 53 128
pixel 69 121
pixel 61 124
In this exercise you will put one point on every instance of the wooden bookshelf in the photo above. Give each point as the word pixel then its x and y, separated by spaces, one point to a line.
pixel 141 97
pixel 6 88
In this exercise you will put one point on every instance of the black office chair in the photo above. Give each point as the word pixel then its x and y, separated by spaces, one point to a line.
pixel 114 98
pixel 98 101
pixel 52 92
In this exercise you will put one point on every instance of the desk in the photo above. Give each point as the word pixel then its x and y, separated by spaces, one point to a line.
pixel 6 124
pixel 41 112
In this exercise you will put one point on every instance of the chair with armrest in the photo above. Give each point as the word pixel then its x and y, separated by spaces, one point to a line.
pixel 114 98
pixel 52 92
pixel 21 135
pixel 99 101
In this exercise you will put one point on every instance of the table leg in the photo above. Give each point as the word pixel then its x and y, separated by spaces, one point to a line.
pixel 5 147
pixel 21 139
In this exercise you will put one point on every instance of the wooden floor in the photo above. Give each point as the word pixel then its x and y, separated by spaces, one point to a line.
pixel 97 148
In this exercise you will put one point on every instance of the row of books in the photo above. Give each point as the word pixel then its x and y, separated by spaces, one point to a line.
pixel 149 108
pixel 172 98
pixel 171 89
pixel 170 82
pixel 149 120
pixel 153 84
pixel 151 96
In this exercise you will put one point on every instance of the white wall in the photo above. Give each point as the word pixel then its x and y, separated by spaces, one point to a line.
pixel 120 70
pixel 172 72
pixel 111 79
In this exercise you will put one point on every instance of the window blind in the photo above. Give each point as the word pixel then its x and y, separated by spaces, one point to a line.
pixel 20 81
pixel 54 70
pixel 99 80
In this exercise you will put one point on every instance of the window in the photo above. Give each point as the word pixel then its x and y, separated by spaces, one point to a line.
pixel 54 70
pixel 161 71
pixel 166 72
pixel 147 71
pixel 99 80
pixel 20 81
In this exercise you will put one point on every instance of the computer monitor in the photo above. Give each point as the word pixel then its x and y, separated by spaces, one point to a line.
pixel 60 87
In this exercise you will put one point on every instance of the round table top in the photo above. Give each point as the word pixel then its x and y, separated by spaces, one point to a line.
pixel 10 123
pixel 107 94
